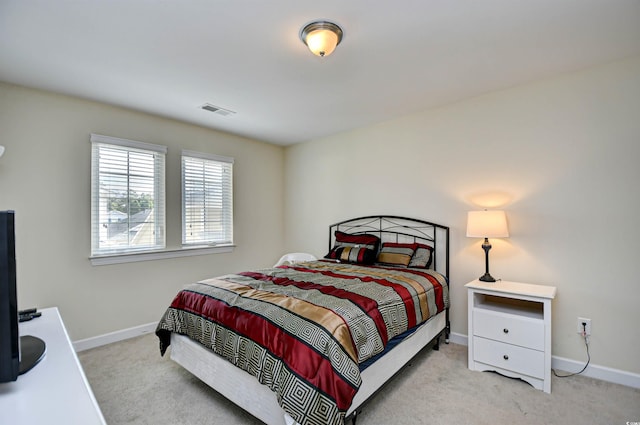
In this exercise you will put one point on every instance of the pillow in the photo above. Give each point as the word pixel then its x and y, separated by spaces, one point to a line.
pixel 364 240
pixel 352 254
pixel 397 254
pixel 362 248
pixel 422 257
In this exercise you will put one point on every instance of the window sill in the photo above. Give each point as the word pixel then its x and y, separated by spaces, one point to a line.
pixel 103 260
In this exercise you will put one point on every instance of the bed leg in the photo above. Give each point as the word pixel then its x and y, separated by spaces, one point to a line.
pixel 436 346
pixel 447 329
pixel 354 417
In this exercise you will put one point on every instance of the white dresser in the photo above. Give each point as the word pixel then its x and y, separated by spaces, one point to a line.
pixel 56 390
pixel 510 330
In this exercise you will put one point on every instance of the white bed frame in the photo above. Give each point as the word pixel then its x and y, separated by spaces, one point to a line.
pixel 246 391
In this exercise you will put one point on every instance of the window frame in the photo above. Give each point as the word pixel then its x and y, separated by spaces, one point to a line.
pixel 159 188
pixel 226 194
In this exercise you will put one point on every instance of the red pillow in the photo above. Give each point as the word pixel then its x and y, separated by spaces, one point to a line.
pixel 365 240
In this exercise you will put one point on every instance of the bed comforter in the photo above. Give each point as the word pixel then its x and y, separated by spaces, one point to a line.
pixel 303 329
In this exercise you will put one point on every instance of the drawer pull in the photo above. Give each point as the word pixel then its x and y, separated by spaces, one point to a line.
pixel 505 357
pixel 505 330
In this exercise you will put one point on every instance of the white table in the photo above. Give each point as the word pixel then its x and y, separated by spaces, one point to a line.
pixel 510 330
pixel 56 390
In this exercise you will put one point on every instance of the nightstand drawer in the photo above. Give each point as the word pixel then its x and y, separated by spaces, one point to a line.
pixel 510 357
pixel 523 331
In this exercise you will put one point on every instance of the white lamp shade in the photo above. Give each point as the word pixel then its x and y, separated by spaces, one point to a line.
pixel 487 224
pixel 322 42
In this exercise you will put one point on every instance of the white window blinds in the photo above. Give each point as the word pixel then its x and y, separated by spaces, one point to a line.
pixel 207 199
pixel 127 196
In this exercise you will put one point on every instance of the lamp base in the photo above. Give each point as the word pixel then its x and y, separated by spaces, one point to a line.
pixel 487 278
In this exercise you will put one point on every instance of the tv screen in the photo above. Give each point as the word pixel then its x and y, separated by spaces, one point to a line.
pixel 18 354
pixel 9 338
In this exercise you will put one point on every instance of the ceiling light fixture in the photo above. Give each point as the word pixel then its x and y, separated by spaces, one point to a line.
pixel 321 37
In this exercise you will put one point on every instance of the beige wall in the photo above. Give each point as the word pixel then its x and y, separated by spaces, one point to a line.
pixel 45 178
pixel 561 156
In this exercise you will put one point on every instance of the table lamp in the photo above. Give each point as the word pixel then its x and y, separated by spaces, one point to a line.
pixel 487 224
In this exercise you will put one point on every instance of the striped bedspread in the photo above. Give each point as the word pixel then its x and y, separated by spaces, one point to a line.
pixel 303 329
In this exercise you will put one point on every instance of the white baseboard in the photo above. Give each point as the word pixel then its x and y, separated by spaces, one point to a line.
pixel 603 373
pixel 458 338
pixel 97 341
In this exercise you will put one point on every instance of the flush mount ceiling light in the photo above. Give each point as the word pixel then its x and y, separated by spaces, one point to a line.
pixel 321 37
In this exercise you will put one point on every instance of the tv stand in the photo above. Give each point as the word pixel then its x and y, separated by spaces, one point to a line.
pixel 32 350
pixel 56 390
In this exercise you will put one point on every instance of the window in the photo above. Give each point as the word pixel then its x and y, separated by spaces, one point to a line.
pixel 207 199
pixel 127 196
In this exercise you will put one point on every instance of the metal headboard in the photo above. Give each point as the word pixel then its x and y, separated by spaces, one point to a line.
pixel 391 228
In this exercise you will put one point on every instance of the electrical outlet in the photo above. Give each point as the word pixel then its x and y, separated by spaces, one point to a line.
pixel 581 326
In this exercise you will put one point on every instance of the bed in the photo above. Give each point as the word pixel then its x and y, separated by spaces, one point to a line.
pixel 312 341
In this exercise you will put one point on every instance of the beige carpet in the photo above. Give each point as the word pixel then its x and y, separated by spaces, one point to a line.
pixel 134 385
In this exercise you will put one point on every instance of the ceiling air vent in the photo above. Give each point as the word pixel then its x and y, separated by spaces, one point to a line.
pixel 217 110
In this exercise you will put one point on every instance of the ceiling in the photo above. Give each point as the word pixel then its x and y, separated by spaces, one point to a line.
pixel 169 57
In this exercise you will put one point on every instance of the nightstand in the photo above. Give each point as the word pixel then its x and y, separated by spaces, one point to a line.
pixel 510 330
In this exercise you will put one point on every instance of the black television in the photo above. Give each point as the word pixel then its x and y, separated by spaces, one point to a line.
pixel 18 354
